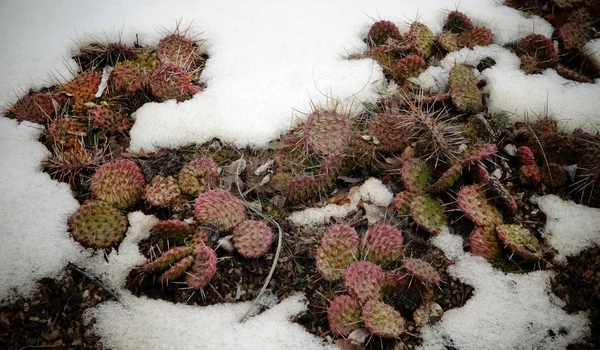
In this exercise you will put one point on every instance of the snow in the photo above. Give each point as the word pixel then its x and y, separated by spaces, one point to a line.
pixel 592 48
pixel 570 227
pixel 506 311
pixel 371 190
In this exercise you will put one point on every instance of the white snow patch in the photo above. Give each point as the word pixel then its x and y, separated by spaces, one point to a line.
pixel 33 213
pixel 570 227
pixel 506 311
pixel 372 190
pixel 592 48
pixel 142 323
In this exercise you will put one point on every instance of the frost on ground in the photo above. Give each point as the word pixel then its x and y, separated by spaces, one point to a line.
pixel 33 213
pixel 142 323
pixel 570 227
pixel 372 190
pixel 506 311
pixel 523 97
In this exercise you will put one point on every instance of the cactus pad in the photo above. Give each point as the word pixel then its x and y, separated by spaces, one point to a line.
pixel 479 36
pixel 327 132
pixel 83 89
pixel 409 66
pixel 383 128
pixel 177 270
pixel 344 315
pixel 520 241
pixel 525 156
pixel 203 269
pixel 530 175
pixel 110 120
pixel 198 175
pixel 381 31
pixel 402 202
pixel 129 77
pixel 337 251
pixel 170 82
pixel 171 228
pixel 35 107
pixel 162 191
pixel 178 50
pixel 457 22
pixel 463 89
pixel 485 243
pixel 170 257
pixel 422 271
pixel 364 281
pixel 120 183
pixel 382 244
pixel 219 208
pixel 96 224
pixel 252 238
pixel 428 214
pixel 416 175
pixel 447 179
pixel 554 175
pixel 422 39
pixel 447 41
pixel 382 320
pixel 540 48
pixel 478 153
pixel 62 131
pixel 301 187
pixel 476 207
pixel 397 280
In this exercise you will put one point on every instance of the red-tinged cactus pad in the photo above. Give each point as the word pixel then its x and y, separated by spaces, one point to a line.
pixel 447 179
pixel 97 224
pixel 539 47
pixel 409 66
pixel 331 166
pixel 177 270
pixel 476 207
pixel 120 183
pixel 554 175
pixel 219 208
pixel 338 250
pixel 501 195
pixel 252 238
pixel 574 35
pixel 525 156
pixel 397 280
pixel 83 89
pixel 162 191
pixel 447 41
pixel 383 320
pixel 171 228
pixel 129 77
pixel 63 130
pixel 177 49
pixel 422 39
pixel 417 176
pixel 381 31
pixel 478 153
pixel 203 269
pixel 198 175
pixel 383 127
pixel 479 36
pixel 327 132
pixel 35 107
pixel 382 244
pixel 571 74
pixel 422 271
pixel 344 315
pixel 402 202
pixel 170 257
pixel 170 82
pixel 530 175
pixel 463 89
pixel 301 187
pixel 519 240
pixel 457 22
pixel 428 214
pixel 200 237
pixel 484 242
pixel 364 281
pixel 110 120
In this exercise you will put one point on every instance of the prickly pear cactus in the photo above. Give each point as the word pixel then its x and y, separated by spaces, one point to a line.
pixel 178 50
pixel 520 241
pixel 463 89
pixel 219 208
pixel 176 270
pixel 97 224
pixel 476 207
pixel 327 132
pixel 344 315
pixel 162 191
pixel 168 258
pixel 530 175
pixel 119 183
pixel 428 214
pixel 381 31
pixel 416 175
pixel 447 179
pixel 402 202
pixel 480 36
pixel 447 41
pixel 110 120
pixel 382 319
pixel 198 175
pixel 129 77
pixel 478 153
pixel 574 35
pixel 540 48
pixel 83 89
pixel 302 187
pixel 409 66
pixel 422 271
pixel 382 244
pixel 363 280
pixel 252 238
pixel 171 228
pixel 63 131
pixel 554 175
pixel 422 39
pixel 35 107
pixel 484 242
pixel 203 268
pixel 338 250
pixel 170 82
pixel 457 22
pixel 383 127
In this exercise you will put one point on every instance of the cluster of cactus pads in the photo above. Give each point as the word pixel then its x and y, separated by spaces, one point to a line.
pixel 359 261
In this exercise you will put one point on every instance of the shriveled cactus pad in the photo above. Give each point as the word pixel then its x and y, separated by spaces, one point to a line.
pixel 198 175
pixel 119 183
pixel 97 224
pixel 520 241
pixel 476 207
pixel 252 238
pixel 382 244
pixel 422 270
pixel 428 214
pixel 364 280
pixel 337 251
pixel 203 269
pixel 162 191
pixel 168 258
pixel 344 315
pixel 383 320
pixel 219 208
pixel 327 132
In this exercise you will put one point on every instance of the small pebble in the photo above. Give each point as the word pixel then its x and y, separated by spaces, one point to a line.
pixel 86 294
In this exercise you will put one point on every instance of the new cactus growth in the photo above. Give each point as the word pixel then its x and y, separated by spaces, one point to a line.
pixel 381 31
pixel 463 89
pixel 171 228
pixel 520 241
pixel 478 153
pixel 416 175
pixel 363 280
pixel 485 243
pixel 457 22
pixel 327 132
pixel 344 315
pixel 540 48
pixel 170 82
pixel 476 207
pixel 382 244
pixel 120 183
pixel 422 271
pixel 97 225
pixel 219 208
pixel 421 39
pixel 428 214
pixel 338 250
pixel 382 320
pixel 252 238
pixel 203 269
pixel 198 175
pixel 162 191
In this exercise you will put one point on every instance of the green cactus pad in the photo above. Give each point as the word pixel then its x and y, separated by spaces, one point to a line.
pixel 447 179
pixel 364 280
pixel 421 39
pixel 428 214
pixel 463 89
pixel 383 320
pixel 520 241
pixel 417 176
pixel 344 315
pixel 485 243
pixel 447 41
pixel 402 202
pixel 382 244
pixel 338 250
pixel 476 207
pixel 97 224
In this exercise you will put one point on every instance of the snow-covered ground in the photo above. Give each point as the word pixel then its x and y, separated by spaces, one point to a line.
pixel 267 60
